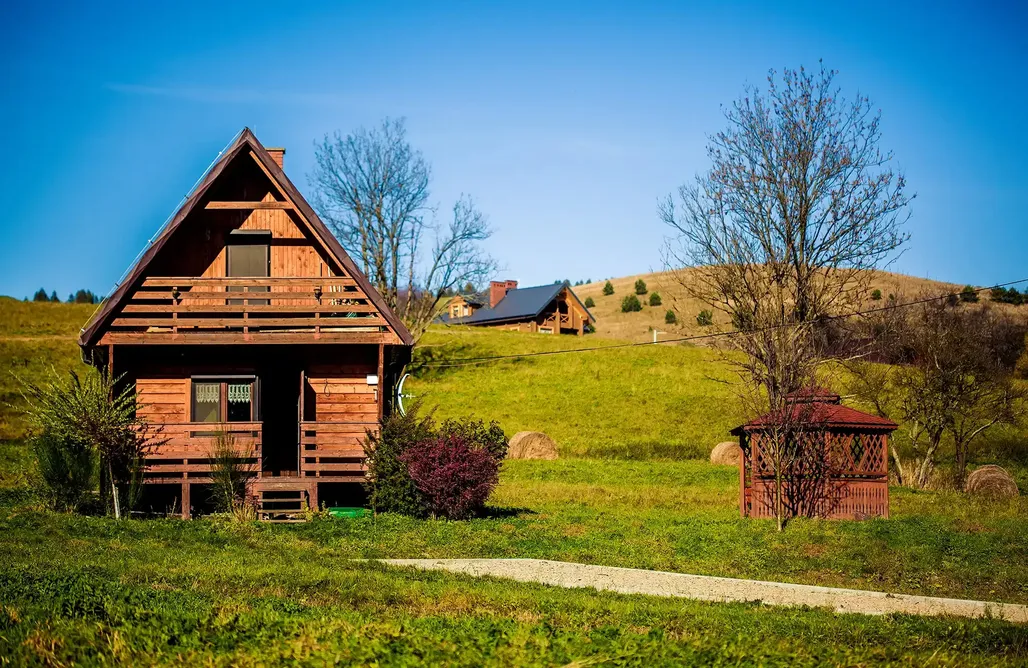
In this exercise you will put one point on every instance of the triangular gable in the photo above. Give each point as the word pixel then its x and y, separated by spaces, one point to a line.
pixel 246 142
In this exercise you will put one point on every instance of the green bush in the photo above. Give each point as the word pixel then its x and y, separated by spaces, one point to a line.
pixel 670 318
pixel 67 470
pixel 876 294
pixel 705 318
pixel 97 411
pixel 640 287
pixel 654 299
pixel 412 439
pixel 969 295
pixel 389 487
pixel 589 303
pixel 631 303
pixel 608 288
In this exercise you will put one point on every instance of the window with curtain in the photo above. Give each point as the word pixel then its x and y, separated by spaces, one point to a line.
pixel 227 400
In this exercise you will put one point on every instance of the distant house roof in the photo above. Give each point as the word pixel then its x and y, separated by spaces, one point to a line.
pixel 519 304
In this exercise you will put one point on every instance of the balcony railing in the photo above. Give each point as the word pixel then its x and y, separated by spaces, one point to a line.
pixel 250 309
pixel 333 449
pixel 190 447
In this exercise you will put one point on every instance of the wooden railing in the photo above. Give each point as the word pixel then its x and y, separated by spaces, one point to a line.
pixel 333 449
pixel 190 446
pixel 248 309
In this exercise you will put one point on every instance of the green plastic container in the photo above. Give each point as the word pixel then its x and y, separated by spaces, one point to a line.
pixel 348 512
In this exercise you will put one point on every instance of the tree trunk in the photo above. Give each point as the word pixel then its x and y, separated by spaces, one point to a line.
pixel 114 492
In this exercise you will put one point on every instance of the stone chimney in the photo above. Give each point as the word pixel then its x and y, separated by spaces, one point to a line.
pixel 278 154
pixel 498 290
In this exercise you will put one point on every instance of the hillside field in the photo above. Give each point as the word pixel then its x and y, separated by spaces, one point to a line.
pixel 633 489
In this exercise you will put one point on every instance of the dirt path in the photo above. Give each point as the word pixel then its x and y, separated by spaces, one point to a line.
pixel 707 588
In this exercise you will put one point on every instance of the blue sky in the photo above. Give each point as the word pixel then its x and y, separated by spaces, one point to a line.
pixel 565 122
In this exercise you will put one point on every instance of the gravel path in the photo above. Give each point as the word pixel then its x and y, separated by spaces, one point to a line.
pixel 707 588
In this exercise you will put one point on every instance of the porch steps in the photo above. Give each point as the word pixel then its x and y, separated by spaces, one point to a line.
pixel 282 499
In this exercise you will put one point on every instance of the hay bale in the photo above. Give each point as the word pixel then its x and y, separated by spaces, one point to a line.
pixel 531 445
pixel 991 482
pixel 727 453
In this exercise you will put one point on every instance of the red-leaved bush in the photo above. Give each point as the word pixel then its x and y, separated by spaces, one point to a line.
pixel 454 477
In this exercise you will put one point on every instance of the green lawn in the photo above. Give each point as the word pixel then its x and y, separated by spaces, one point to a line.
pixel 91 590
pixel 669 401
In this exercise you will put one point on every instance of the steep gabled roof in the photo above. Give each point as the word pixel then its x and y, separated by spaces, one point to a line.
pixel 246 141
pixel 518 304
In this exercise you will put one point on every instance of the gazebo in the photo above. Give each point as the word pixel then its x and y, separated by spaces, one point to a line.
pixel 846 461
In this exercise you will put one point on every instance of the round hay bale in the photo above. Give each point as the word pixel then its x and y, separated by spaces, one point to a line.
pixel 727 453
pixel 531 445
pixel 991 482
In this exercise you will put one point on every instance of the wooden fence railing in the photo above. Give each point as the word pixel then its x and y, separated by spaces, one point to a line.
pixel 183 308
pixel 333 449
pixel 190 446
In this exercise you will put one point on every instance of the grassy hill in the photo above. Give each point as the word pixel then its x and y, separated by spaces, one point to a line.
pixel 93 590
pixel 638 326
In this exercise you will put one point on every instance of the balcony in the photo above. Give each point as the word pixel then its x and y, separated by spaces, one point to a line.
pixel 258 310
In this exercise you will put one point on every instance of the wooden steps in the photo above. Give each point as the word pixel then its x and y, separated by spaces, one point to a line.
pixel 284 499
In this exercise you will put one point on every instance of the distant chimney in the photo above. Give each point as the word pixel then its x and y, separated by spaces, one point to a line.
pixel 277 154
pixel 498 290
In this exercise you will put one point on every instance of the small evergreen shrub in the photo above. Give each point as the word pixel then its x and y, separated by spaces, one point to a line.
pixel 631 303
pixel 705 318
pixel 454 477
pixel 876 295
pixel 654 299
pixel 969 295
pixel 390 489
pixel 478 435
pixel 589 303
pixel 608 288
pixel 670 318
pixel 640 287
pixel 67 470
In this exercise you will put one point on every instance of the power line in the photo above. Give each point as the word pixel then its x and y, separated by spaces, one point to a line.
pixel 474 361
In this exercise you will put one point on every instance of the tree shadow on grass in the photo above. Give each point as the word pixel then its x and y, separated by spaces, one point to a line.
pixel 429 361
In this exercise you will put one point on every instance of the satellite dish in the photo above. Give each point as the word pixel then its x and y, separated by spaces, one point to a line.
pixel 400 396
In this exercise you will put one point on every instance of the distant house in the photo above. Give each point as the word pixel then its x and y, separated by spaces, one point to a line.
pixel 547 309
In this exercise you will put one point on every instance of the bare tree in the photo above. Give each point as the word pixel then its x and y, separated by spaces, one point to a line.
pixel 943 369
pixel 372 188
pixel 781 232
pixel 799 200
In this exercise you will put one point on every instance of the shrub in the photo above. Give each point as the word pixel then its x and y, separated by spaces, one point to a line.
pixel 876 294
pixel 390 489
pixel 640 287
pixel 478 435
pixel 589 303
pixel 630 303
pixel 454 477
pixel 654 299
pixel 705 318
pixel 67 470
pixel 98 411
pixel 969 295
pixel 608 288
pixel 1007 296
pixel 670 318
pixel 230 471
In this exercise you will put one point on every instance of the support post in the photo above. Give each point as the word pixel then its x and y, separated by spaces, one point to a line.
pixel 185 500
pixel 381 382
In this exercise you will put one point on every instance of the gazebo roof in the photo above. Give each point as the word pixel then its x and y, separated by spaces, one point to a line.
pixel 818 406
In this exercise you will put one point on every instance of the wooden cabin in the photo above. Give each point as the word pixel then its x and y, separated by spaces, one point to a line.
pixel 245 317
pixel 546 309
pixel 852 449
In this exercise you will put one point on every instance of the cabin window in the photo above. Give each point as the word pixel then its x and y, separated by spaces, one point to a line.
pixel 224 400
pixel 249 256
pixel 456 310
